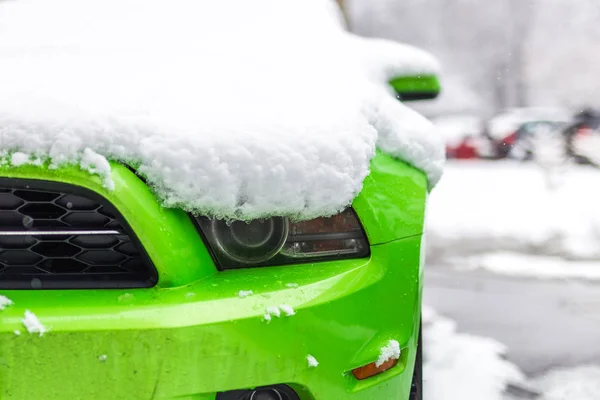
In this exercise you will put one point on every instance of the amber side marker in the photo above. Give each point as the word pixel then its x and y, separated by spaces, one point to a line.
pixel 369 370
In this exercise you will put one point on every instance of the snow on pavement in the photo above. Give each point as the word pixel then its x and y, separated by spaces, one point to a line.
pixel 485 206
pixel 503 217
pixel 529 266
pixel 460 366
pixel 578 383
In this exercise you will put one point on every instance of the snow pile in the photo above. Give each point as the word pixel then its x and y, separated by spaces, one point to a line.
pixel 33 324
pixel 531 266
pixel 271 109
pixel 579 383
pixel 97 164
pixel 462 366
pixel 391 351
pixel 89 161
pixel 5 302
pixel 274 311
pixel 508 206
pixel 17 159
pixel 287 310
pixel 245 293
pixel 312 362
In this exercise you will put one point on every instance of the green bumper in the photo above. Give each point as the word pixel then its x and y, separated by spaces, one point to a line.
pixel 192 336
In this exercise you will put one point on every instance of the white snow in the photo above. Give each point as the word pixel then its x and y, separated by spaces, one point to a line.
pixel 484 207
pixel 391 351
pixel 245 293
pixel 456 127
pixel 578 383
pixel 273 310
pixel 531 266
pixel 17 159
pixel 5 302
pixel 287 310
pixel 97 164
pixel 273 109
pixel 462 366
pixel 276 311
pixel 89 161
pixel 312 362
pixel 33 324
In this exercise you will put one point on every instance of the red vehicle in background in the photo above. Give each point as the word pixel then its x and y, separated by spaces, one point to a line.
pixel 463 136
pixel 466 149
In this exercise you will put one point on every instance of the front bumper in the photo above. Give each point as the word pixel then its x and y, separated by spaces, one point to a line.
pixel 191 342
pixel 191 336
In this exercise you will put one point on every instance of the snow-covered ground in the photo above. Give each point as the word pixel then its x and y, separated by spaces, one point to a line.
pixel 461 366
pixel 481 207
pixel 490 225
pixel 529 266
pixel 579 383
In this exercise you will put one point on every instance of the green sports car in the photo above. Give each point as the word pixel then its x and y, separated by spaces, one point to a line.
pixel 112 289
pixel 142 302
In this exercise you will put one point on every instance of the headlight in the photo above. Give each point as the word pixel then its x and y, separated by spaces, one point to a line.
pixel 276 240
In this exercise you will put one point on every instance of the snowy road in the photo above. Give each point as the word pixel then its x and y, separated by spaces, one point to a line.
pixel 513 270
pixel 544 323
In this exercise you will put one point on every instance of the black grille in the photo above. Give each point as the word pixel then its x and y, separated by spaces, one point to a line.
pixel 59 236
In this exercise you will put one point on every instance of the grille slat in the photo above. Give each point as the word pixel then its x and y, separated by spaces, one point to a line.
pixel 59 236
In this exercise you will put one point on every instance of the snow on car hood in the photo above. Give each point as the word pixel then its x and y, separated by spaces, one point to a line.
pixel 229 108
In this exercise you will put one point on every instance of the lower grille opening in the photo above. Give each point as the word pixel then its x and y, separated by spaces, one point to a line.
pixel 60 236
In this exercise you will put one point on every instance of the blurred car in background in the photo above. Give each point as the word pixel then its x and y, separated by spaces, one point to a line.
pixel 519 124
pixel 583 137
pixel 536 139
pixel 463 135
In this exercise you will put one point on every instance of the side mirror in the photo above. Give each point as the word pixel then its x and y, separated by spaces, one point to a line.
pixel 416 87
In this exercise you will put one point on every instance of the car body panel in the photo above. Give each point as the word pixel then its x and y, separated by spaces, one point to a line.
pixel 192 335
pixel 416 87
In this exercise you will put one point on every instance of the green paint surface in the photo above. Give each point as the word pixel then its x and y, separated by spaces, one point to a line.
pixel 191 336
pixel 416 87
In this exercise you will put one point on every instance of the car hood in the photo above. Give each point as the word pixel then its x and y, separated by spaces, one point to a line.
pixel 271 109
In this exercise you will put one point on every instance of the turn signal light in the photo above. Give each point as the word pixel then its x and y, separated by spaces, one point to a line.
pixel 369 370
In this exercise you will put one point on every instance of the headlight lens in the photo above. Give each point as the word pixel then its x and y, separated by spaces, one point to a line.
pixel 249 242
pixel 277 241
